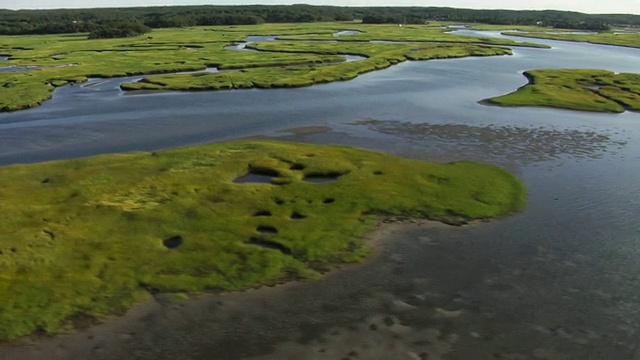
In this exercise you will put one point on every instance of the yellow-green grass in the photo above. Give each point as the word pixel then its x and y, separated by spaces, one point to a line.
pixel 582 89
pixel 434 32
pixel 378 56
pixel 502 27
pixel 89 237
pixel 603 38
pixel 174 50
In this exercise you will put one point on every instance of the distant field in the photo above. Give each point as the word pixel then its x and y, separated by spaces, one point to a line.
pixel 582 89
pixel 57 60
pixel 629 39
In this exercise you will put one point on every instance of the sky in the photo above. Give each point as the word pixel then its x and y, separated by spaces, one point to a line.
pixel 587 6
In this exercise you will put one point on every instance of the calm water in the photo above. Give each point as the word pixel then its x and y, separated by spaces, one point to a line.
pixel 559 281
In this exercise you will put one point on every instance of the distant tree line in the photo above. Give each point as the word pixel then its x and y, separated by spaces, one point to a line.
pixel 116 22
pixel 553 18
pixel 117 29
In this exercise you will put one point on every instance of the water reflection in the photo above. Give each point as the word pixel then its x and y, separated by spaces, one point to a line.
pixel 17 69
pixel 347 33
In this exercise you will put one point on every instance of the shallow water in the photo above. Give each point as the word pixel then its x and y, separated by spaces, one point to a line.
pixel 346 33
pixel 559 281
pixel 242 46
pixel 254 179
pixel 16 69
pixel 205 70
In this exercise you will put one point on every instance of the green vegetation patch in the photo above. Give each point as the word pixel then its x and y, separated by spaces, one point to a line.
pixel 603 38
pixel 57 60
pixel 378 56
pixel 434 32
pixel 89 237
pixel 587 90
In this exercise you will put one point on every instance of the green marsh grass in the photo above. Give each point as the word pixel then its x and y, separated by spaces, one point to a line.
pixel 581 89
pixel 378 56
pixel 603 38
pixel 90 237
pixel 165 51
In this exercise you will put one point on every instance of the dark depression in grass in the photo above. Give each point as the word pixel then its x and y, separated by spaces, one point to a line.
pixel 576 89
pixel 89 237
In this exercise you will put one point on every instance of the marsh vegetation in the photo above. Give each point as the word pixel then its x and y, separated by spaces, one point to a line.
pixel 630 39
pixel 92 236
pixel 576 89
pixel 58 60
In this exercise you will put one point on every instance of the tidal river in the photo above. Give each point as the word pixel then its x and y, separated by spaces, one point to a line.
pixel 559 281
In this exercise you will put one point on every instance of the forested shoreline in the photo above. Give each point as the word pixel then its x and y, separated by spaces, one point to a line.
pixel 99 21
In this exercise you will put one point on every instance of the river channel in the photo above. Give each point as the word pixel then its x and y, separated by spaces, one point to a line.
pixel 561 280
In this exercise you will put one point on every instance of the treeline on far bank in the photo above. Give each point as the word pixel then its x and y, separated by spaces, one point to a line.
pixel 119 22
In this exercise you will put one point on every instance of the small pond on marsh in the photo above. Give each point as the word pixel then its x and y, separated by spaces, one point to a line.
pixel 347 33
pixel 17 68
pixel 249 40
pixel 561 280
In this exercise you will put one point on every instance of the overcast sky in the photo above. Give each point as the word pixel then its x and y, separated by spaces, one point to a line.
pixel 588 6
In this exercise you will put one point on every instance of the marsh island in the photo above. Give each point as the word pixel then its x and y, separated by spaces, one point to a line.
pixel 95 235
pixel 576 89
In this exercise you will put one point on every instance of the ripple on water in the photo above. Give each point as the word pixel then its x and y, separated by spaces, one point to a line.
pixel 527 144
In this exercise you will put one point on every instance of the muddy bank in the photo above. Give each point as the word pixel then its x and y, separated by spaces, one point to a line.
pixel 433 292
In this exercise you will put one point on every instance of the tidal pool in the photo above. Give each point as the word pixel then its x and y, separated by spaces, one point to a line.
pixel 15 68
pixel 558 281
pixel 346 33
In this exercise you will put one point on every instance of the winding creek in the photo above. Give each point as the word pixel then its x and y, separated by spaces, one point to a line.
pixel 559 281
pixel 242 46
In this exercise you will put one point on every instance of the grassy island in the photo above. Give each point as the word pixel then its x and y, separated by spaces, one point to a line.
pixel 37 64
pixel 377 56
pixel 88 237
pixel 586 90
